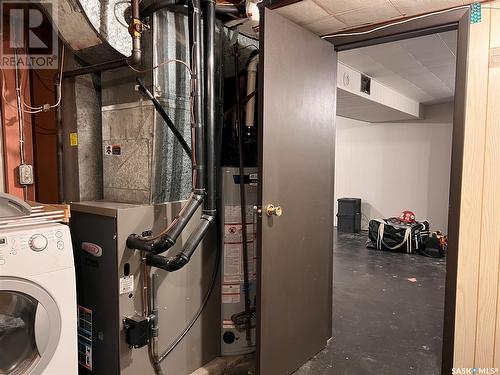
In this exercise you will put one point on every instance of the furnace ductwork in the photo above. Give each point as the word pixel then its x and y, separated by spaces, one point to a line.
pixel 204 163
pixel 95 30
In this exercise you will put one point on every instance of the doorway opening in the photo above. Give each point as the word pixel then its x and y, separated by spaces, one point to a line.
pixel 393 151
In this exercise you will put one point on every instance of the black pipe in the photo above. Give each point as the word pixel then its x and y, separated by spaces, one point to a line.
pixel 179 260
pixel 182 258
pixel 165 116
pixel 199 130
pixel 169 236
pixel 171 5
pixel 170 264
pixel 210 110
pixel 243 203
pixel 181 6
pixel 96 68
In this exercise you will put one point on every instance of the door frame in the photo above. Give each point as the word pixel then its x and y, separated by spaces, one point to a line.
pixel 453 20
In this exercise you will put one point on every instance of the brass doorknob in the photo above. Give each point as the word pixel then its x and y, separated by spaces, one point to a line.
pixel 274 210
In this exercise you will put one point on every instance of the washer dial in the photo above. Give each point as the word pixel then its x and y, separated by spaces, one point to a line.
pixel 38 242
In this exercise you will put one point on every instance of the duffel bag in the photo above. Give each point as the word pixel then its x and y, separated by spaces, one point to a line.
pixel 394 235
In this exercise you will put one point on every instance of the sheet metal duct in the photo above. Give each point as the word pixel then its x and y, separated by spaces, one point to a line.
pixel 95 30
pixel 150 165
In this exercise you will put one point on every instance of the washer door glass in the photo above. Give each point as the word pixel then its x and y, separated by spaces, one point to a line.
pixel 17 332
pixel 30 327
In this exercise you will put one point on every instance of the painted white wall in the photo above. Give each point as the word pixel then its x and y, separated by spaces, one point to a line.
pixel 394 167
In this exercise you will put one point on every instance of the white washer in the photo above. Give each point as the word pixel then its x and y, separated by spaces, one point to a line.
pixel 38 316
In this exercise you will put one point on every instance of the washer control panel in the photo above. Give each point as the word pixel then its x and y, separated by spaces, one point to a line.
pixel 26 248
pixel 38 242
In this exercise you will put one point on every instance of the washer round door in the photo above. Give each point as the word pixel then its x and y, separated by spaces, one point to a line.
pixel 30 327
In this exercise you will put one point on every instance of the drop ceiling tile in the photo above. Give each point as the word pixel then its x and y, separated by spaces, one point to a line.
pixel 303 12
pixel 326 26
pixel 341 6
pixel 373 14
pixel 432 84
pixel 449 38
pixel 363 62
pixel 412 7
pixel 421 68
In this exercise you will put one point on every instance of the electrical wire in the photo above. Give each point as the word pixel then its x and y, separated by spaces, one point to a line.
pixel 59 90
pixel 161 64
pixel 4 79
pixel 20 115
pixel 396 23
pixel 19 87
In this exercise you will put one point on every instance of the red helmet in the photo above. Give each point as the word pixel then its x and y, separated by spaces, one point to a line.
pixel 407 217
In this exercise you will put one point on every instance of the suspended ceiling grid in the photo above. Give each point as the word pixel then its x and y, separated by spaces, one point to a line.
pixel 420 68
pixel 331 16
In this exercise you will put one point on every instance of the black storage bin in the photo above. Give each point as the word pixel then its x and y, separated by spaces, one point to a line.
pixel 349 223
pixel 349 206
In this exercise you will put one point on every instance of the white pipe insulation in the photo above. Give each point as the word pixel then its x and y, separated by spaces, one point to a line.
pixel 251 85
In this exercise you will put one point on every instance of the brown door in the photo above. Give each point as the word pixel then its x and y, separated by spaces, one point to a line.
pixel 296 165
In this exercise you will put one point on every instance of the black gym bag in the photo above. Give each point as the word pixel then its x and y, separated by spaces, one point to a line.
pixel 394 235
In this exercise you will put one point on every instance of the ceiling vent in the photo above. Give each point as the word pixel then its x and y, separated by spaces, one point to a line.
pixel 363 98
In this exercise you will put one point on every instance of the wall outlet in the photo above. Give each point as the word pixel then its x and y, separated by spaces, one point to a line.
pixel 26 176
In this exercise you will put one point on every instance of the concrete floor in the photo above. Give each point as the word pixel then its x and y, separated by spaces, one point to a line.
pixel 388 313
pixel 387 320
pixel 232 365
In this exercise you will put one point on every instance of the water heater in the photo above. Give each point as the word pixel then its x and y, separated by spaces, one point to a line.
pixel 237 339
